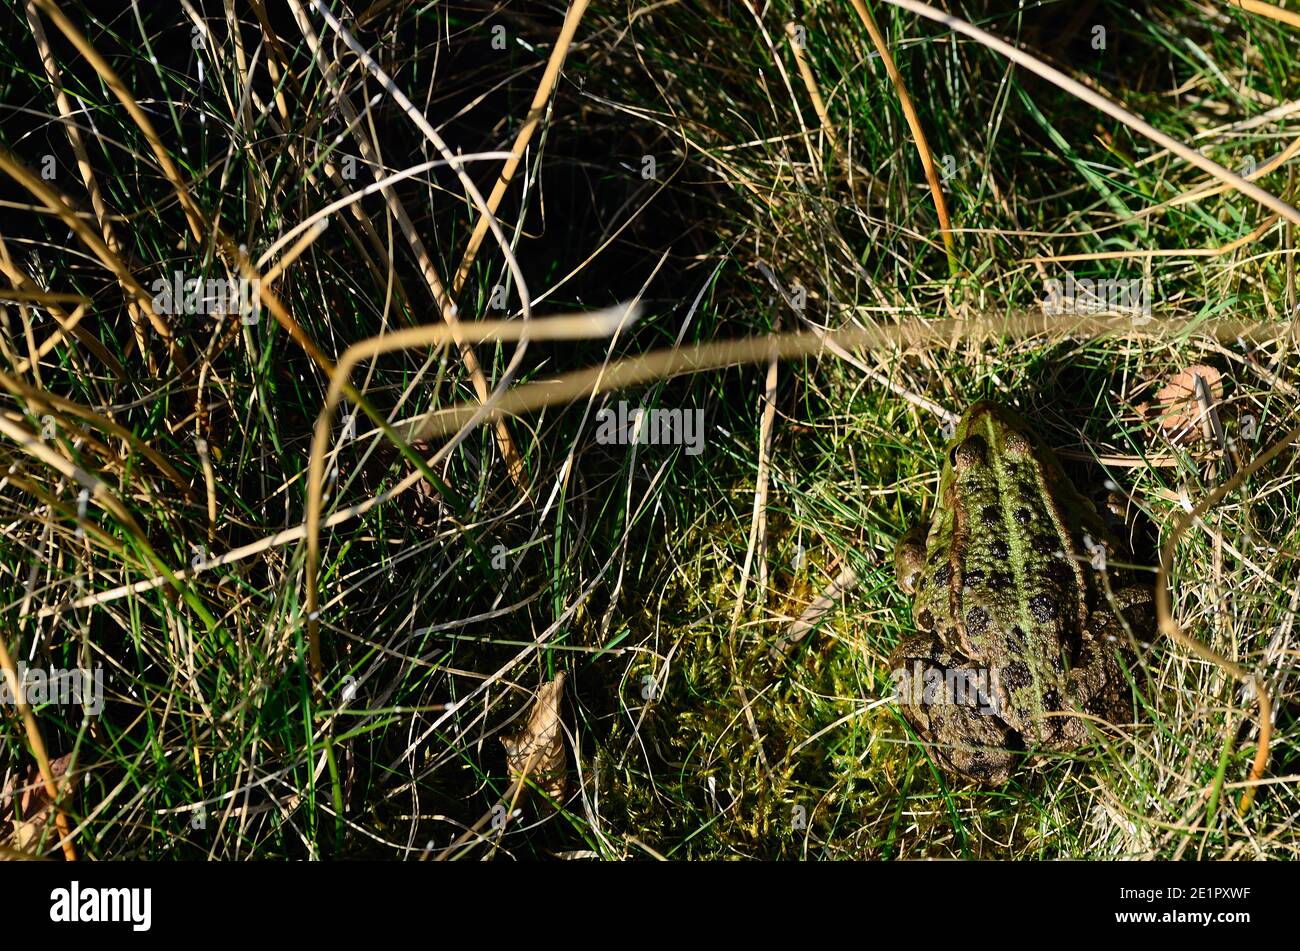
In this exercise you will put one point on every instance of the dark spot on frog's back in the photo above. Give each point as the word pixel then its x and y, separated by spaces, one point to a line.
pixel 998 549
pixel 977 621
pixel 1046 545
pixel 1040 606
pixel 991 516
pixel 1022 515
pixel 942 575
pixel 1000 581
pixel 1015 675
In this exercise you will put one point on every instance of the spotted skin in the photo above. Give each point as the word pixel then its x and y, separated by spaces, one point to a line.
pixel 1004 596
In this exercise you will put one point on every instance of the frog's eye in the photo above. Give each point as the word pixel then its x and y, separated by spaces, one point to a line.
pixel 972 451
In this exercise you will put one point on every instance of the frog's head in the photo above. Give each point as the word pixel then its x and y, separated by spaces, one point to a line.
pixel 986 426
pixel 992 438
pixel 988 415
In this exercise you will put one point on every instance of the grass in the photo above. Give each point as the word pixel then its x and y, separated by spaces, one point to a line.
pixel 638 572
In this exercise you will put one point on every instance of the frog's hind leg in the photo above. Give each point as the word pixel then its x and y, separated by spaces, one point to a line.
pixel 948 702
pixel 1096 686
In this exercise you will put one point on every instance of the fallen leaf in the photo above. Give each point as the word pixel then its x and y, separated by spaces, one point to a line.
pixel 27 807
pixel 538 751
pixel 1178 406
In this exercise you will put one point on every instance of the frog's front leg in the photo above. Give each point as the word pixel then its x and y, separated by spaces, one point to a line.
pixel 948 702
pixel 909 557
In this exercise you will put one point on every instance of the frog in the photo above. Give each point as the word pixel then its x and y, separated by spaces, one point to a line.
pixel 1026 615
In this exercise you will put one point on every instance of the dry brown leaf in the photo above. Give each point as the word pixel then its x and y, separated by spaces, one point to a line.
pixel 1178 406
pixel 32 808
pixel 538 751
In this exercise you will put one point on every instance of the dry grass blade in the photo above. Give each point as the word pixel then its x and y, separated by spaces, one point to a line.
pixel 532 120
pixel 635 371
pixel 758 517
pixel 665 364
pixel 37 743
pixel 913 123
pixel 1289 17
pixel 810 83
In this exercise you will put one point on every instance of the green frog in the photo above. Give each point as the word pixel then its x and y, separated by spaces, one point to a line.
pixel 1021 626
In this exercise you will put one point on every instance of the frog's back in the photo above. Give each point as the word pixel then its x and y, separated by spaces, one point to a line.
pixel 1004 581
